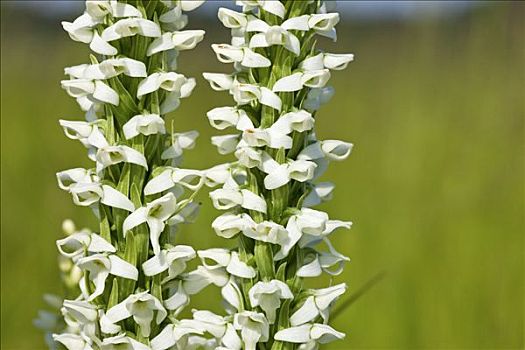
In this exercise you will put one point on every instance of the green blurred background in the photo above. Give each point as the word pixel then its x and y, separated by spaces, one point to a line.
pixel 435 186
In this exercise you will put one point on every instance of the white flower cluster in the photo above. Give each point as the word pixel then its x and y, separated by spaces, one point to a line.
pixel 279 83
pixel 124 283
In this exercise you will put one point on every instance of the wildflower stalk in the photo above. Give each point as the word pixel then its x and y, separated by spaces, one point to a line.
pixel 278 85
pixel 135 188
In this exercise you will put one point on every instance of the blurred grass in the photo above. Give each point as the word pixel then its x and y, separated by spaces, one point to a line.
pixel 435 185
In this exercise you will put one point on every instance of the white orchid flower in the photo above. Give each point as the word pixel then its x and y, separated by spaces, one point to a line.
pixel 73 341
pixel 229 225
pixel 225 143
pixel 169 81
pixel 180 142
pixel 173 19
pixel 219 328
pixel 326 60
pixel 173 333
pixel 254 328
pixel 309 333
pixel 141 307
pixel 169 178
pixel 184 40
pixel 319 262
pixel 145 124
pixel 108 69
pixel 101 46
pixel 232 19
pixel 271 6
pixel 88 133
pixel 69 177
pixel 246 93
pixel 217 175
pixel 268 295
pixel 224 199
pixel 88 194
pixel 320 192
pixel 275 136
pixel 223 117
pixel 296 81
pixel 122 342
pixel 318 303
pixel 280 174
pixel 331 149
pixel 229 260
pixel 324 24
pixel 96 90
pixel 242 55
pixel 277 34
pixel 131 27
pixel 100 9
pixel 110 155
pixel 73 246
pixel 202 277
pixel 219 81
pixel 154 214
pixel 172 259
pixel 317 97
pixel 81 29
pixel 81 311
pixel 99 267
pixel 247 156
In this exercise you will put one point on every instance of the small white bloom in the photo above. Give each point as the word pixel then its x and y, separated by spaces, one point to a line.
pixel 225 143
pixel 277 35
pixel 73 246
pixel 154 214
pixel 169 178
pixel 172 259
pixel 81 29
pixel 224 199
pixel 142 307
pixel 100 9
pixel 180 142
pixel 242 55
pixel 319 193
pixel 99 267
pixel 309 333
pixel 318 303
pixel 324 24
pixel 96 90
pixel 296 81
pixel 268 296
pixel 317 97
pixel 87 194
pixel 336 150
pixel 73 341
pixel 228 260
pixel 232 19
pixel 228 225
pixel 271 6
pixel 248 156
pixel 280 174
pixel 223 117
pixel 169 81
pixel 184 40
pixel 254 328
pixel 173 333
pixel 130 27
pixel 219 81
pixel 122 342
pixel 69 177
pixel 145 124
pixel 110 155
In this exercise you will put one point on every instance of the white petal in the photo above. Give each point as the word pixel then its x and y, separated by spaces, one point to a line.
pixel 102 47
pixel 190 5
pixel 300 334
pixel 313 63
pixel 162 43
pixel 325 334
pixel 337 61
pixel 121 268
pixel 231 19
pixel 252 59
pixel 224 117
pixel 315 78
pixel 118 312
pixel 116 199
pixel 225 143
pixel 274 7
pixel 258 40
pixel 134 219
pixel 296 23
pixel 100 245
pixel 312 269
pixel 269 98
pixel 335 149
pixel 188 39
pixel 104 93
pixel 165 339
pixel 307 312
pixel 289 83
pixel 219 81
pixel 277 177
pixel 252 201
pixel 155 264
pixel 239 268
pixel 219 255
pixel 171 102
